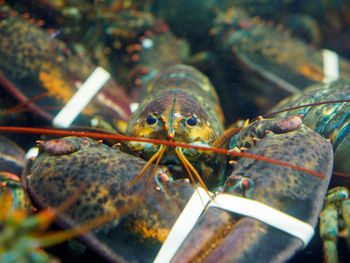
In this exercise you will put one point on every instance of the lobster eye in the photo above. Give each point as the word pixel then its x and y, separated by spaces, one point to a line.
pixel 191 121
pixel 151 120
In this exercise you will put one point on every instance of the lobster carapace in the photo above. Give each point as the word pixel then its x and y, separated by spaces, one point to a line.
pixel 182 106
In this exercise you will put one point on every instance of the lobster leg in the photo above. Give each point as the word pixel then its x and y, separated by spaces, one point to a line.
pixel 334 221
pixel 346 218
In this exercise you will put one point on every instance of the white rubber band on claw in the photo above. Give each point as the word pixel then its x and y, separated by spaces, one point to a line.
pixel 81 98
pixel 196 205
pixel 183 225
pixel 330 65
pixel 32 153
pixel 266 214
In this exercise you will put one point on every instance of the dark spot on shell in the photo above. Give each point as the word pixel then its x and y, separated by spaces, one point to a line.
pixel 97 190
pixel 46 165
pixel 59 147
pixel 101 201
pixel 113 190
pixel 93 195
pixel 287 180
pixel 96 208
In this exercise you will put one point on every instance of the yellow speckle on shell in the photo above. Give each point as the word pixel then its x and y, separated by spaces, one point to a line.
pixel 159 233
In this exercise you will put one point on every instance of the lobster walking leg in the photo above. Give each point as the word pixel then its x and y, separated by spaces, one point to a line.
pixel 334 222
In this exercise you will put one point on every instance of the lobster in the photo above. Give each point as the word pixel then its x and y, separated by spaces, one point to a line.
pixel 52 166
pixel 148 219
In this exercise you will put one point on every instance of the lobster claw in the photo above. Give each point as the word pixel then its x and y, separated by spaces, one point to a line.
pixel 221 236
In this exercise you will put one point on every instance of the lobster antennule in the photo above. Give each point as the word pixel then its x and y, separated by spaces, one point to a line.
pixel 157 156
pixel 189 167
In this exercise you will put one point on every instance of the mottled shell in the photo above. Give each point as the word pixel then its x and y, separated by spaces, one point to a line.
pixel 331 120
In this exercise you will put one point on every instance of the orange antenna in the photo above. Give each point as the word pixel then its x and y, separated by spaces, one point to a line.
pixel 154 141
pixel 20 106
pixel 304 106
pixel 12 88
pixel 343 175
pixel 157 156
